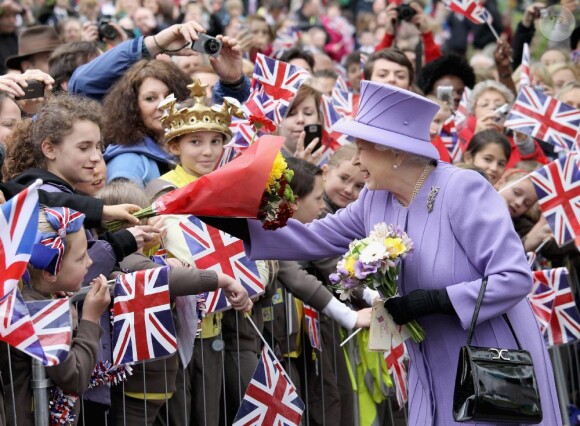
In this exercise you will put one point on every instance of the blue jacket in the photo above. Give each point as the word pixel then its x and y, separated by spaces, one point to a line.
pixel 98 76
pixel 138 163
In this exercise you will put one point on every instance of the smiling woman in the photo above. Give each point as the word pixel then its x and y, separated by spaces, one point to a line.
pixel 133 130
pixel 461 231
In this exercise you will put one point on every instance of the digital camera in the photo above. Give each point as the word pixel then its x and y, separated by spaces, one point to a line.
pixel 405 12
pixel 208 45
pixel 106 30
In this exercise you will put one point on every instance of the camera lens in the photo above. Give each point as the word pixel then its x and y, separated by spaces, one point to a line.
pixel 211 46
pixel 406 12
pixel 107 31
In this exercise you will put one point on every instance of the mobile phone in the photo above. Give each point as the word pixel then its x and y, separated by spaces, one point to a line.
pixel 313 131
pixel 35 89
pixel 445 93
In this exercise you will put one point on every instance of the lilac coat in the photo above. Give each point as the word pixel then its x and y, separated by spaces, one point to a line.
pixel 467 235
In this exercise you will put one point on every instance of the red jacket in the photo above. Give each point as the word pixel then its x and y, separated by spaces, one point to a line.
pixel 538 155
pixel 443 153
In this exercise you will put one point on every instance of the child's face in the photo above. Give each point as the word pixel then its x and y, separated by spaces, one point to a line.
pixel 198 152
pixel 442 115
pixel 77 156
pixel 261 34
pixel 309 207
pixel 391 73
pixel 519 197
pixel 75 263
pixel 353 74
pixel 491 159
pixel 343 184
pixel 98 182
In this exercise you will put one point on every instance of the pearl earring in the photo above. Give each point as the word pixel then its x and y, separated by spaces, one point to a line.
pixel 395 166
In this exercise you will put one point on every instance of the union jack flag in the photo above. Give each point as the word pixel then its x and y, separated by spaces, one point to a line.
pixel 542 296
pixel 160 256
pixel 461 114
pixel 471 9
pixel 271 398
pixel 279 80
pixel 142 326
pixel 343 102
pixel 274 86
pixel 18 226
pixel 243 134
pixel 16 328
pixel 525 76
pixel 209 248
pixel 544 117
pixel 330 139
pixel 341 84
pixel 450 139
pixel 564 321
pixel 52 323
pixel 313 326
pixel 395 359
pixel 557 185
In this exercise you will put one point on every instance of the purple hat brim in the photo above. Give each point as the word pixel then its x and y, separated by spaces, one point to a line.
pixel 386 138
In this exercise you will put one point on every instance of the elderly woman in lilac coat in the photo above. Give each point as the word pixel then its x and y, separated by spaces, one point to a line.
pixel 462 232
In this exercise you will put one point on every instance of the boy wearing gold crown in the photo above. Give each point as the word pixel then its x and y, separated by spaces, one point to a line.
pixel 196 134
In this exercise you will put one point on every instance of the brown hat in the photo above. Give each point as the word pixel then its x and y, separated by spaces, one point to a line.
pixel 33 40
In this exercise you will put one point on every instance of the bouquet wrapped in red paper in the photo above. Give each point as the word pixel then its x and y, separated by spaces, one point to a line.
pixel 253 185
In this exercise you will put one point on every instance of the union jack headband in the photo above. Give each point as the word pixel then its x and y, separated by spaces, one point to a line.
pixel 48 252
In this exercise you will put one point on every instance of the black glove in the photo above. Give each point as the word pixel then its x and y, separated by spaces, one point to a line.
pixel 419 303
pixel 233 226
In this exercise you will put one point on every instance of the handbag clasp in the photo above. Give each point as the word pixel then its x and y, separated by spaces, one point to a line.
pixel 499 354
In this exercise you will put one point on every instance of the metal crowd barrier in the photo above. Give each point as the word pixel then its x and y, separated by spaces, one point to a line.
pixel 566 363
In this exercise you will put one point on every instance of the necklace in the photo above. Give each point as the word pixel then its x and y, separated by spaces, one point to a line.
pixel 420 181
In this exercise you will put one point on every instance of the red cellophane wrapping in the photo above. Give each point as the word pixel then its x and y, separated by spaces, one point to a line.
pixel 233 190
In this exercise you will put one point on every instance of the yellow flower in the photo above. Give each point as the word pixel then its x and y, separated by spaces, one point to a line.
pixel 349 265
pixel 278 169
pixel 395 246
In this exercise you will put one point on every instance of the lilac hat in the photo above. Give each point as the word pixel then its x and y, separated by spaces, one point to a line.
pixel 392 117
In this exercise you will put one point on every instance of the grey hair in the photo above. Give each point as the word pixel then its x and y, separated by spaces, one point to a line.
pixel 484 86
pixel 415 158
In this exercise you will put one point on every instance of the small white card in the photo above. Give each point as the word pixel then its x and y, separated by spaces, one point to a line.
pixel 383 333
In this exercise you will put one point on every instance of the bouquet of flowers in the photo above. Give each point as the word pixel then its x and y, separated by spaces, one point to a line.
pixel 276 204
pixel 259 166
pixel 375 262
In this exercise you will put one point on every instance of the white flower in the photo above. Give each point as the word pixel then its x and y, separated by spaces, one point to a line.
pixel 382 231
pixel 373 252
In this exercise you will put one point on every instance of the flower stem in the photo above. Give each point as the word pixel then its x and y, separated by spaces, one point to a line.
pixel 115 225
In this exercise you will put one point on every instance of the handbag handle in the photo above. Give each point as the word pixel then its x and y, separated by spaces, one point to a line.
pixel 476 314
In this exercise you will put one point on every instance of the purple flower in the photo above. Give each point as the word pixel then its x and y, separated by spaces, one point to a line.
pixel 350 283
pixel 334 278
pixel 363 270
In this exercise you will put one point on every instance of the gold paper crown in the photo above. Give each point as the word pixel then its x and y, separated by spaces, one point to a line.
pixel 199 117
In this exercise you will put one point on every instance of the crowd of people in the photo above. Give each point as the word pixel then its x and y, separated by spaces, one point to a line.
pixel 95 134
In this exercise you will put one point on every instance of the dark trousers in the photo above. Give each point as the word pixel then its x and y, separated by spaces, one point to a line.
pixel 330 393
pixel 206 375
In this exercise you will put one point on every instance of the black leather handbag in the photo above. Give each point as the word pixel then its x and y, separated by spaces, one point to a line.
pixel 495 385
